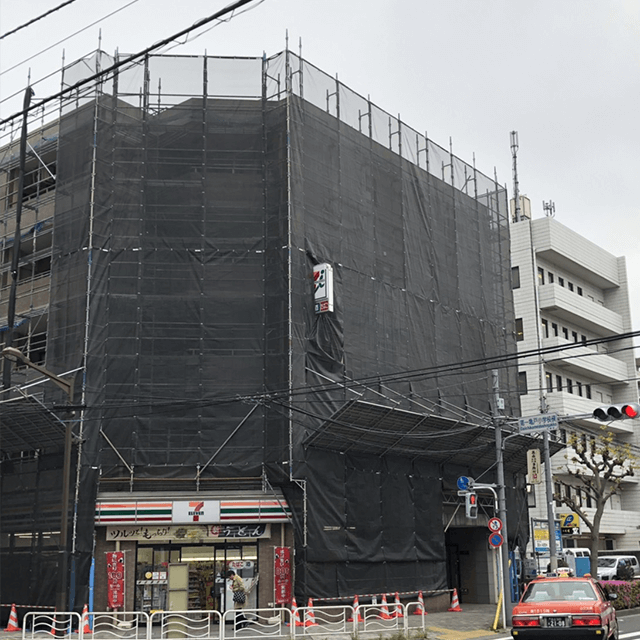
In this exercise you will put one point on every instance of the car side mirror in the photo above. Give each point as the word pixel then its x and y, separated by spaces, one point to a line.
pixel 612 596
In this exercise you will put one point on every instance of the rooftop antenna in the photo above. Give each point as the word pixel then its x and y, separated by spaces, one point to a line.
pixel 516 189
pixel 549 208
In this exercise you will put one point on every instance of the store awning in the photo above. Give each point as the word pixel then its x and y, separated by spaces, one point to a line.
pixel 365 427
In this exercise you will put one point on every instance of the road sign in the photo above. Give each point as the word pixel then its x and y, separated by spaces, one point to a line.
pixel 464 483
pixel 495 525
pixel 496 540
pixel 541 422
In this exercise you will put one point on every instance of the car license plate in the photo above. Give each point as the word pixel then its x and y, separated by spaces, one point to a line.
pixel 556 622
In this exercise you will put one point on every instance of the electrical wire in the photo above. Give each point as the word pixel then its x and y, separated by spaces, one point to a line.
pixel 164 403
pixel 129 60
pixel 55 44
pixel 44 15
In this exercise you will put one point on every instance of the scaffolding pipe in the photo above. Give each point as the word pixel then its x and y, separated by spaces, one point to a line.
pixel 11 309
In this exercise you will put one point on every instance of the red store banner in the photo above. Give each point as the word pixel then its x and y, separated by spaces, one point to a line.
pixel 282 575
pixel 115 579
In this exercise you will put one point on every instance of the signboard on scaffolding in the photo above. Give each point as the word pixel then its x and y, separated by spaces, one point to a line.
pixel 115 579
pixel 282 575
pixel 323 287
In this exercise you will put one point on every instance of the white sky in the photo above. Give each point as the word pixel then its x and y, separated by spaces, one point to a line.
pixel 564 73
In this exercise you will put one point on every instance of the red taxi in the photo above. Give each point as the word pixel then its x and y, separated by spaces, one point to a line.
pixel 574 608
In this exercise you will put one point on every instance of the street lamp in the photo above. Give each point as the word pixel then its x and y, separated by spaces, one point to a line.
pixel 13 354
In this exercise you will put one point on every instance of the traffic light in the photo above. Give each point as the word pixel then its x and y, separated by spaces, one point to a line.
pixel 617 412
pixel 471 504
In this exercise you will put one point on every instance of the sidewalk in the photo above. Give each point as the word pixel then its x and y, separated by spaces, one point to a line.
pixel 472 623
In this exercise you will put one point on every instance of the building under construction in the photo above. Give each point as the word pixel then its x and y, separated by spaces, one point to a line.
pixel 280 306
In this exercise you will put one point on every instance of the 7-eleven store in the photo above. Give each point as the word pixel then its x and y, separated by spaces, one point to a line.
pixel 210 534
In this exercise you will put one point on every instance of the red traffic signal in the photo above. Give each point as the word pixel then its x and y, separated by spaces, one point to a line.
pixel 471 505
pixel 611 412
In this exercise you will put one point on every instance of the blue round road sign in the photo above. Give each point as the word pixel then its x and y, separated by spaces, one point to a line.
pixel 463 483
pixel 496 540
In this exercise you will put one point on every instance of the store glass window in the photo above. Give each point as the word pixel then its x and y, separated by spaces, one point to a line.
pixel 208 566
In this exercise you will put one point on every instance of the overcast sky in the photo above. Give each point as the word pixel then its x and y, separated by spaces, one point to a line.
pixel 564 73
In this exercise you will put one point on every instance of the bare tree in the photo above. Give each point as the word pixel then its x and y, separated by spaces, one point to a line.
pixel 598 464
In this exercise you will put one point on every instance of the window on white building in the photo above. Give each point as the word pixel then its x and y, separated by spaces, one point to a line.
pixel 515 277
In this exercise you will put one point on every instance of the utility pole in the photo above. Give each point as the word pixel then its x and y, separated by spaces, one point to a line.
pixel 551 525
pixel 502 500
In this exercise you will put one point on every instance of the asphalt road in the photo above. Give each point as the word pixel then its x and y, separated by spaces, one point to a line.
pixel 629 624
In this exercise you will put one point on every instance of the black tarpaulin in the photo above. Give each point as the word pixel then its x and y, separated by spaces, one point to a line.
pixel 193 197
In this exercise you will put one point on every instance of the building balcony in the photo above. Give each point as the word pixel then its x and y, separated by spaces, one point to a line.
pixel 585 361
pixel 579 310
pixel 574 253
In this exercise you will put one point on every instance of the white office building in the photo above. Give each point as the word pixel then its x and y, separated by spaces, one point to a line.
pixel 569 291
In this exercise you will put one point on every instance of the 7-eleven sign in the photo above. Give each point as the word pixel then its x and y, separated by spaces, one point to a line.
pixel 196 511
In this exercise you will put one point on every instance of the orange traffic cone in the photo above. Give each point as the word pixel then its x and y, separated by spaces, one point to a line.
pixel 420 610
pixel 310 617
pixel 455 605
pixel 12 625
pixel 295 614
pixel 54 623
pixel 86 627
pixel 397 612
pixel 384 609
pixel 356 611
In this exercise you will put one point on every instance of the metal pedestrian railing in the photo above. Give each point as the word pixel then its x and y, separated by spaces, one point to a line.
pixel 245 624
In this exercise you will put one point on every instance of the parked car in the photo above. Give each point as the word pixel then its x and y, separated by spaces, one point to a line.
pixel 556 608
pixel 617 567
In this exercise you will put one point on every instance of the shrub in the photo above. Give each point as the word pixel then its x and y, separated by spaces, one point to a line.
pixel 628 593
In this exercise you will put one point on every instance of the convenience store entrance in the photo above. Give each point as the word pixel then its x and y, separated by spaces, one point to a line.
pixel 208 564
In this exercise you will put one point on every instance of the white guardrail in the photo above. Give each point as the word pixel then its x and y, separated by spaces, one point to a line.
pixel 212 625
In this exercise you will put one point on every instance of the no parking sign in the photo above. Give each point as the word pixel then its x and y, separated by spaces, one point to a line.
pixel 495 540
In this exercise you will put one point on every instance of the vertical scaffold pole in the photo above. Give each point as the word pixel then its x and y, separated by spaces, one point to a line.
pixel 11 310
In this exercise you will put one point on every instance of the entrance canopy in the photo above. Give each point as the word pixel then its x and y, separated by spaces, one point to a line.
pixel 365 427
pixel 27 425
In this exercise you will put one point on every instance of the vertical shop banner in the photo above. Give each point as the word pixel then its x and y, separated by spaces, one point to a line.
pixel 282 575
pixel 115 579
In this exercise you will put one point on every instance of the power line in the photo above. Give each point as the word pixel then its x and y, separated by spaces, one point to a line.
pixel 151 403
pixel 130 59
pixel 44 15
pixel 55 44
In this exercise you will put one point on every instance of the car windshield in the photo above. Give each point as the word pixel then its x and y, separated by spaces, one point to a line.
pixel 559 591
pixel 606 562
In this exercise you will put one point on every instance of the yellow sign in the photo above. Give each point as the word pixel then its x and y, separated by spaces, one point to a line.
pixel 569 523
